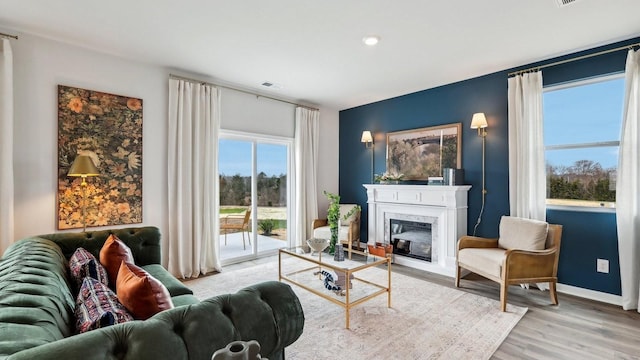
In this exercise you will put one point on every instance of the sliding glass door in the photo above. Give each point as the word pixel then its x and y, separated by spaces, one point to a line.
pixel 254 195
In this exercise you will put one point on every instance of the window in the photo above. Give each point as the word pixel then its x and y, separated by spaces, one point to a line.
pixel 582 123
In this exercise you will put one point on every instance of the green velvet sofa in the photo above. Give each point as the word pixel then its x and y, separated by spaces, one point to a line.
pixel 36 308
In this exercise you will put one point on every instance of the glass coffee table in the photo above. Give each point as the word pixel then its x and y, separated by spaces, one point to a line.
pixel 329 279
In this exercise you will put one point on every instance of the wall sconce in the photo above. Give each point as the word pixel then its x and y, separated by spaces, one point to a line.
pixel 83 167
pixel 367 139
pixel 479 121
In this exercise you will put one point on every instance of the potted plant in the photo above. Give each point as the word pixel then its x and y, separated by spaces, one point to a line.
pixel 267 226
pixel 388 178
pixel 333 218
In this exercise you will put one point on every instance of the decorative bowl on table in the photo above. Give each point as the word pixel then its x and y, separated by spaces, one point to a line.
pixel 318 245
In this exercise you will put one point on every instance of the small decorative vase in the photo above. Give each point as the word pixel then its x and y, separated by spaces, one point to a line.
pixel 334 240
pixel 239 350
pixel 339 255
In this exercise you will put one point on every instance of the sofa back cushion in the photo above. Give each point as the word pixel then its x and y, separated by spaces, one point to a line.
pixel 144 242
pixel 142 294
pixel 522 234
pixel 97 306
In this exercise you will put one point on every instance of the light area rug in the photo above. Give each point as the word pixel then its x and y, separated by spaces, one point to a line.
pixel 425 321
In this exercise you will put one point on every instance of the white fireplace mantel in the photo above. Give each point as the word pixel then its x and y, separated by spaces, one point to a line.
pixel 446 205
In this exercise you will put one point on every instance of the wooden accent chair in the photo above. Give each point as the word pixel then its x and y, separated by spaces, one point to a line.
pixel 348 231
pixel 234 222
pixel 526 252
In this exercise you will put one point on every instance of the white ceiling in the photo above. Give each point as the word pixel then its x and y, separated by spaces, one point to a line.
pixel 313 49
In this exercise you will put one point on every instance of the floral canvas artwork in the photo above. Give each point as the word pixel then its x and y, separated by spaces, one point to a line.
pixel 108 129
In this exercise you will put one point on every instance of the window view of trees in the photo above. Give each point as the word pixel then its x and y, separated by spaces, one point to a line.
pixel 584 180
pixel 582 123
pixel 236 190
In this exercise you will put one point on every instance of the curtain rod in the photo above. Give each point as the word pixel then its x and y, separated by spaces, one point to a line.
pixel 536 68
pixel 9 36
pixel 177 77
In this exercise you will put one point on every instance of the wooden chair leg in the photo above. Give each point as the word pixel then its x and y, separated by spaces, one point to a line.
pixel 248 236
pixel 244 246
pixel 457 276
pixel 553 293
pixel 503 296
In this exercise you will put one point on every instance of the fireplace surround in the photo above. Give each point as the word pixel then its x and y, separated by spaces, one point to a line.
pixel 425 221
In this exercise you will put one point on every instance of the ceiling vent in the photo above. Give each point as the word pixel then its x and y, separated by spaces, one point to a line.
pixel 271 85
pixel 563 3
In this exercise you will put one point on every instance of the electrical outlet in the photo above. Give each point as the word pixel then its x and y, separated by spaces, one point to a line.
pixel 602 266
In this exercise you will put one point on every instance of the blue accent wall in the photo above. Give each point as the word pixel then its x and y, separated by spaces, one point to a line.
pixel 586 235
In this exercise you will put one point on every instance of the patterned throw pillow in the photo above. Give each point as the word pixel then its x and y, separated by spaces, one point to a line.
pixel 82 264
pixel 114 252
pixel 97 306
pixel 142 294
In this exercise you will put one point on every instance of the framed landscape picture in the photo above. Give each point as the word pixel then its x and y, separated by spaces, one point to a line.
pixel 423 153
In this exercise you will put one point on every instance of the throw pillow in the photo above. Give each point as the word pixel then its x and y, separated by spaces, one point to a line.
pixel 97 306
pixel 142 294
pixel 522 234
pixel 82 264
pixel 114 252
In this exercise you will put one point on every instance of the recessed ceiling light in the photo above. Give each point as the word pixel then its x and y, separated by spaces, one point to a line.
pixel 370 40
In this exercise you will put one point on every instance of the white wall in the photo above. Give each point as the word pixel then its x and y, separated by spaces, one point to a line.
pixel 328 158
pixel 40 65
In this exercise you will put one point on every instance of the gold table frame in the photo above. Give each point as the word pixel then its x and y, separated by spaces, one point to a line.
pixel 348 271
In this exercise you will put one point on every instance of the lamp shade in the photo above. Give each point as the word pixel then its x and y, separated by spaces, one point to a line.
pixel 83 166
pixel 478 121
pixel 366 137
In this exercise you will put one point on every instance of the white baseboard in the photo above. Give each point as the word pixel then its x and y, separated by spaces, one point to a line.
pixel 590 294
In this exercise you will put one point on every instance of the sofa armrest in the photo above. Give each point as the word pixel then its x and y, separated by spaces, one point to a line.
pixel 268 312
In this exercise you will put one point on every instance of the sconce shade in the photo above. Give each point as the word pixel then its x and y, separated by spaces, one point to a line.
pixel 478 121
pixel 366 137
pixel 83 166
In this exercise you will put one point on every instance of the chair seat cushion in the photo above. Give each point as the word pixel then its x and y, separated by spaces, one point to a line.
pixel 522 234
pixel 323 232
pixel 488 261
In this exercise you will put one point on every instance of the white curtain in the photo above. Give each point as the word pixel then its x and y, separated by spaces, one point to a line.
pixel 194 122
pixel 627 194
pixel 527 180
pixel 6 145
pixel 307 129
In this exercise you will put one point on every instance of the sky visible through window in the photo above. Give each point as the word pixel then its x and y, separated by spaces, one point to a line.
pixel 584 114
pixel 235 158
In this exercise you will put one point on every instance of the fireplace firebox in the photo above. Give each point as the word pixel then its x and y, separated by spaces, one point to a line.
pixel 411 238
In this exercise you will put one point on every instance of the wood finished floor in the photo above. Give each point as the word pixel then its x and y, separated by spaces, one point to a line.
pixel 575 329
